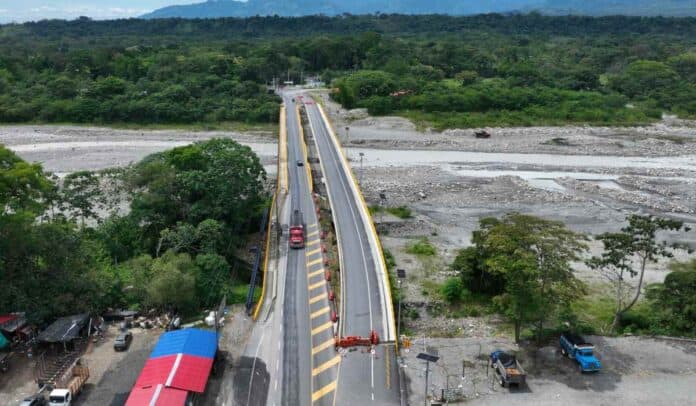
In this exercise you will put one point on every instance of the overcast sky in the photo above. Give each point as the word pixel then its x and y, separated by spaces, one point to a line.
pixel 29 10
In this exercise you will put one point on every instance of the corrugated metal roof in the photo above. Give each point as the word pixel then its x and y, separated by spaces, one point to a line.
pixel 6 317
pixel 188 341
pixel 180 371
pixel 156 395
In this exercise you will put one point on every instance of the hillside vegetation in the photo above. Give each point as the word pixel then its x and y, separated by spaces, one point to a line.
pixel 442 71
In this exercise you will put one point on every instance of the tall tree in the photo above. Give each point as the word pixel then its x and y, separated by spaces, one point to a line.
pixel 627 254
pixel 534 256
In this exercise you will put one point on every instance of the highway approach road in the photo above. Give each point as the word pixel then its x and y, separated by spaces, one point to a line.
pixel 364 378
pixel 291 355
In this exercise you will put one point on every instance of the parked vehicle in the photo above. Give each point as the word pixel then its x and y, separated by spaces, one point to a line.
pixel 122 341
pixel 34 400
pixel 507 368
pixel 575 347
pixel 65 396
pixel 5 361
pixel 297 230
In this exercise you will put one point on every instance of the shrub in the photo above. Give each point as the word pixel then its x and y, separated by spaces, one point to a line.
pixel 453 290
pixel 422 247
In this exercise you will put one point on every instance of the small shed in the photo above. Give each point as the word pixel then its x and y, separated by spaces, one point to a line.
pixel 65 329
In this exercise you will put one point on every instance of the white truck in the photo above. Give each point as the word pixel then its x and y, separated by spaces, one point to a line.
pixel 65 396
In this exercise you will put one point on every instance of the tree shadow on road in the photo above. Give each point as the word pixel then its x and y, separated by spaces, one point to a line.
pixel 548 363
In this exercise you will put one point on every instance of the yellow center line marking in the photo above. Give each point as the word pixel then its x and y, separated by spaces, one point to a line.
pixel 315 262
pixel 323 391
pixel 313 233
pixel 328 364
pixel 313 252
pixel 319 312
pixel 315 273
pixel 321 347
pixel 321 328
pixel 316 285
pixel 313 242
pixel 317 298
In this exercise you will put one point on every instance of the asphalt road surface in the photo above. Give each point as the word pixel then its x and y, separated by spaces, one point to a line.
pixel 310 363
pixel 364 377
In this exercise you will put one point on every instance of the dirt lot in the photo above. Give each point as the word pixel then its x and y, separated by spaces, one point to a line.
pixel 112 374
pixel 635 371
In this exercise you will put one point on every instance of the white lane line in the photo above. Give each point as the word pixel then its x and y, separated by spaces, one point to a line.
pixel 357 229
pixel 253 365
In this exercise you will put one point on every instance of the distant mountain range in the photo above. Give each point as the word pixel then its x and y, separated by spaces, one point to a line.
pixel 233 8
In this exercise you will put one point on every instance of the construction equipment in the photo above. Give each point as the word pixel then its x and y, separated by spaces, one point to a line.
pixel 64 396
pixel 507 368
pixel 575 347
pixel 358 341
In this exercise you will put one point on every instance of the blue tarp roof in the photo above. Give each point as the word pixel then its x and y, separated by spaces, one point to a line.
pixel 188 341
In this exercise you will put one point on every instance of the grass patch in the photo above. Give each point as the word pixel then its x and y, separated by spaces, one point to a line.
pixel 401 212
pixel 502 118
pixel 422 247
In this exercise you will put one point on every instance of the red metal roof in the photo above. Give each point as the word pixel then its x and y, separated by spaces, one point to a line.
pixel 187 372
pixel 156 395
pixel 7 317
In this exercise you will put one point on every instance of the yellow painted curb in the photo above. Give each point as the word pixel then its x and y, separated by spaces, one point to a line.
pixel 265 262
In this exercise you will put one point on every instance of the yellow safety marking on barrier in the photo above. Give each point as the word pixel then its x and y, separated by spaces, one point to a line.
pixel 313 233
pixel 313 242
pixel 316 285
pixel 255 315
pixel 321 347
pixel 313 252
pixel 315 262
pixel 321 328
pixel 323 391
pixel 317 298
pixel 311 225
pixel 319 312
pixel 315 273
pixel 328 364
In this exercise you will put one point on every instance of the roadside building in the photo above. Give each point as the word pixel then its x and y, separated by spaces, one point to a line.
pixel 177 370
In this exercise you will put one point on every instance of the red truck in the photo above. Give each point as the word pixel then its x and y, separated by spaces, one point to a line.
pixel 297 230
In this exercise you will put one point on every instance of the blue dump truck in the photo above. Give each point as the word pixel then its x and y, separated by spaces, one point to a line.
pixel 575 347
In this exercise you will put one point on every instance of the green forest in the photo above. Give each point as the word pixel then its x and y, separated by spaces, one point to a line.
pixel 66 248
pixel 440 71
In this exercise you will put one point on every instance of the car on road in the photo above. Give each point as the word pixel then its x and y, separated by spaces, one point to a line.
pixel 122 341
pixel 35 400
pixel 300 162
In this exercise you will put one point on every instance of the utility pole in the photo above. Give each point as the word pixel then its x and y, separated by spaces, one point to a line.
pixel 361 167
pixel 400 274
pixel 428 359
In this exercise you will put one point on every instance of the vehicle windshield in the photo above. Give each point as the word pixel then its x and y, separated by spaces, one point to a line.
pixel 585 352
pixel 57 399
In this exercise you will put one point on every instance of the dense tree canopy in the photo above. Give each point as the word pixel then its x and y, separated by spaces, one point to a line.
pixel 448 71
pixel 191 210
